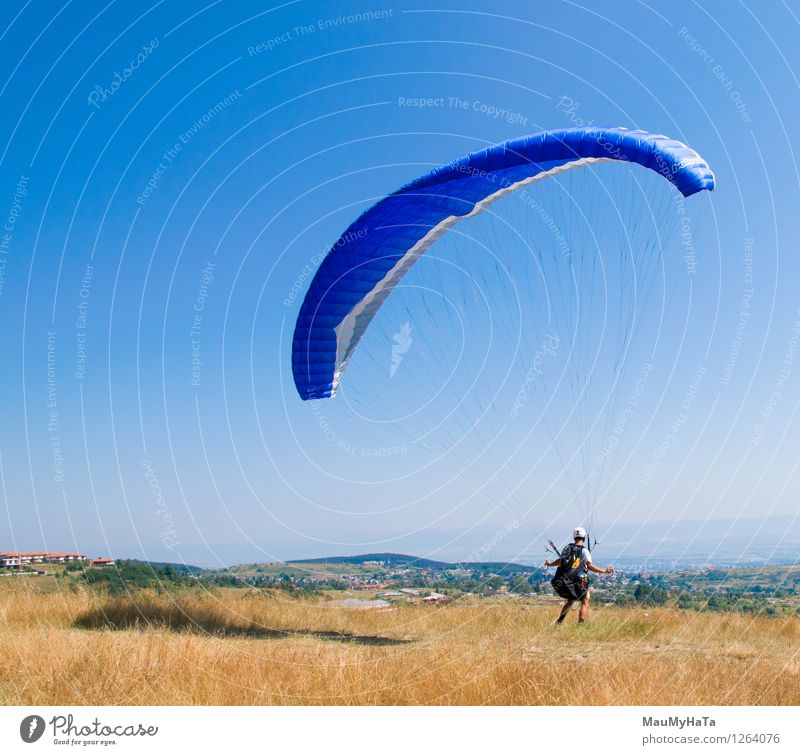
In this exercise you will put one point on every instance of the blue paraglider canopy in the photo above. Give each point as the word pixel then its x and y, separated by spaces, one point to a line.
pixel 375 252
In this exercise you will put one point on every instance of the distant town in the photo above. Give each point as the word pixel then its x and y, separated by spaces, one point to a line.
pixel 392 577
pixel 379 580
pixel 21 561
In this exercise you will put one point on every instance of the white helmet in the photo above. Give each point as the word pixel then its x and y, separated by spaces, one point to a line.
pixel 578 532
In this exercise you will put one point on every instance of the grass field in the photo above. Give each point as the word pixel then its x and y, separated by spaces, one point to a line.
pixel 234 647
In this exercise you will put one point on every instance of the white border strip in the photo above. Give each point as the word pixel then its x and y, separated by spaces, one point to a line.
pixel 399 730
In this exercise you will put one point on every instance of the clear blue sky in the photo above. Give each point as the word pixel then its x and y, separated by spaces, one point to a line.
pixel 160 163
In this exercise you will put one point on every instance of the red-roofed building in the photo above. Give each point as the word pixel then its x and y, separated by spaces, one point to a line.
pixel 435 598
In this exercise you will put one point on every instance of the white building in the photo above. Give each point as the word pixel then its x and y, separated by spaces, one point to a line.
pixel 16 560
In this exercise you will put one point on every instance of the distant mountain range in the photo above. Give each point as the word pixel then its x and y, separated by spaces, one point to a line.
pixel 731 542
pixel 658 546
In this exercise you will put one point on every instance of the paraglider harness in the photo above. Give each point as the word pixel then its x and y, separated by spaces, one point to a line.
pixel 571 580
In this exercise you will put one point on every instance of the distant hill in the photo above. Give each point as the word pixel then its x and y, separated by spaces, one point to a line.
pixel 390 559
pixel 395 560
pixel 178 568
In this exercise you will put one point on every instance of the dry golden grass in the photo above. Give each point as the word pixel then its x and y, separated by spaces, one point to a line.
pixel 232 647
